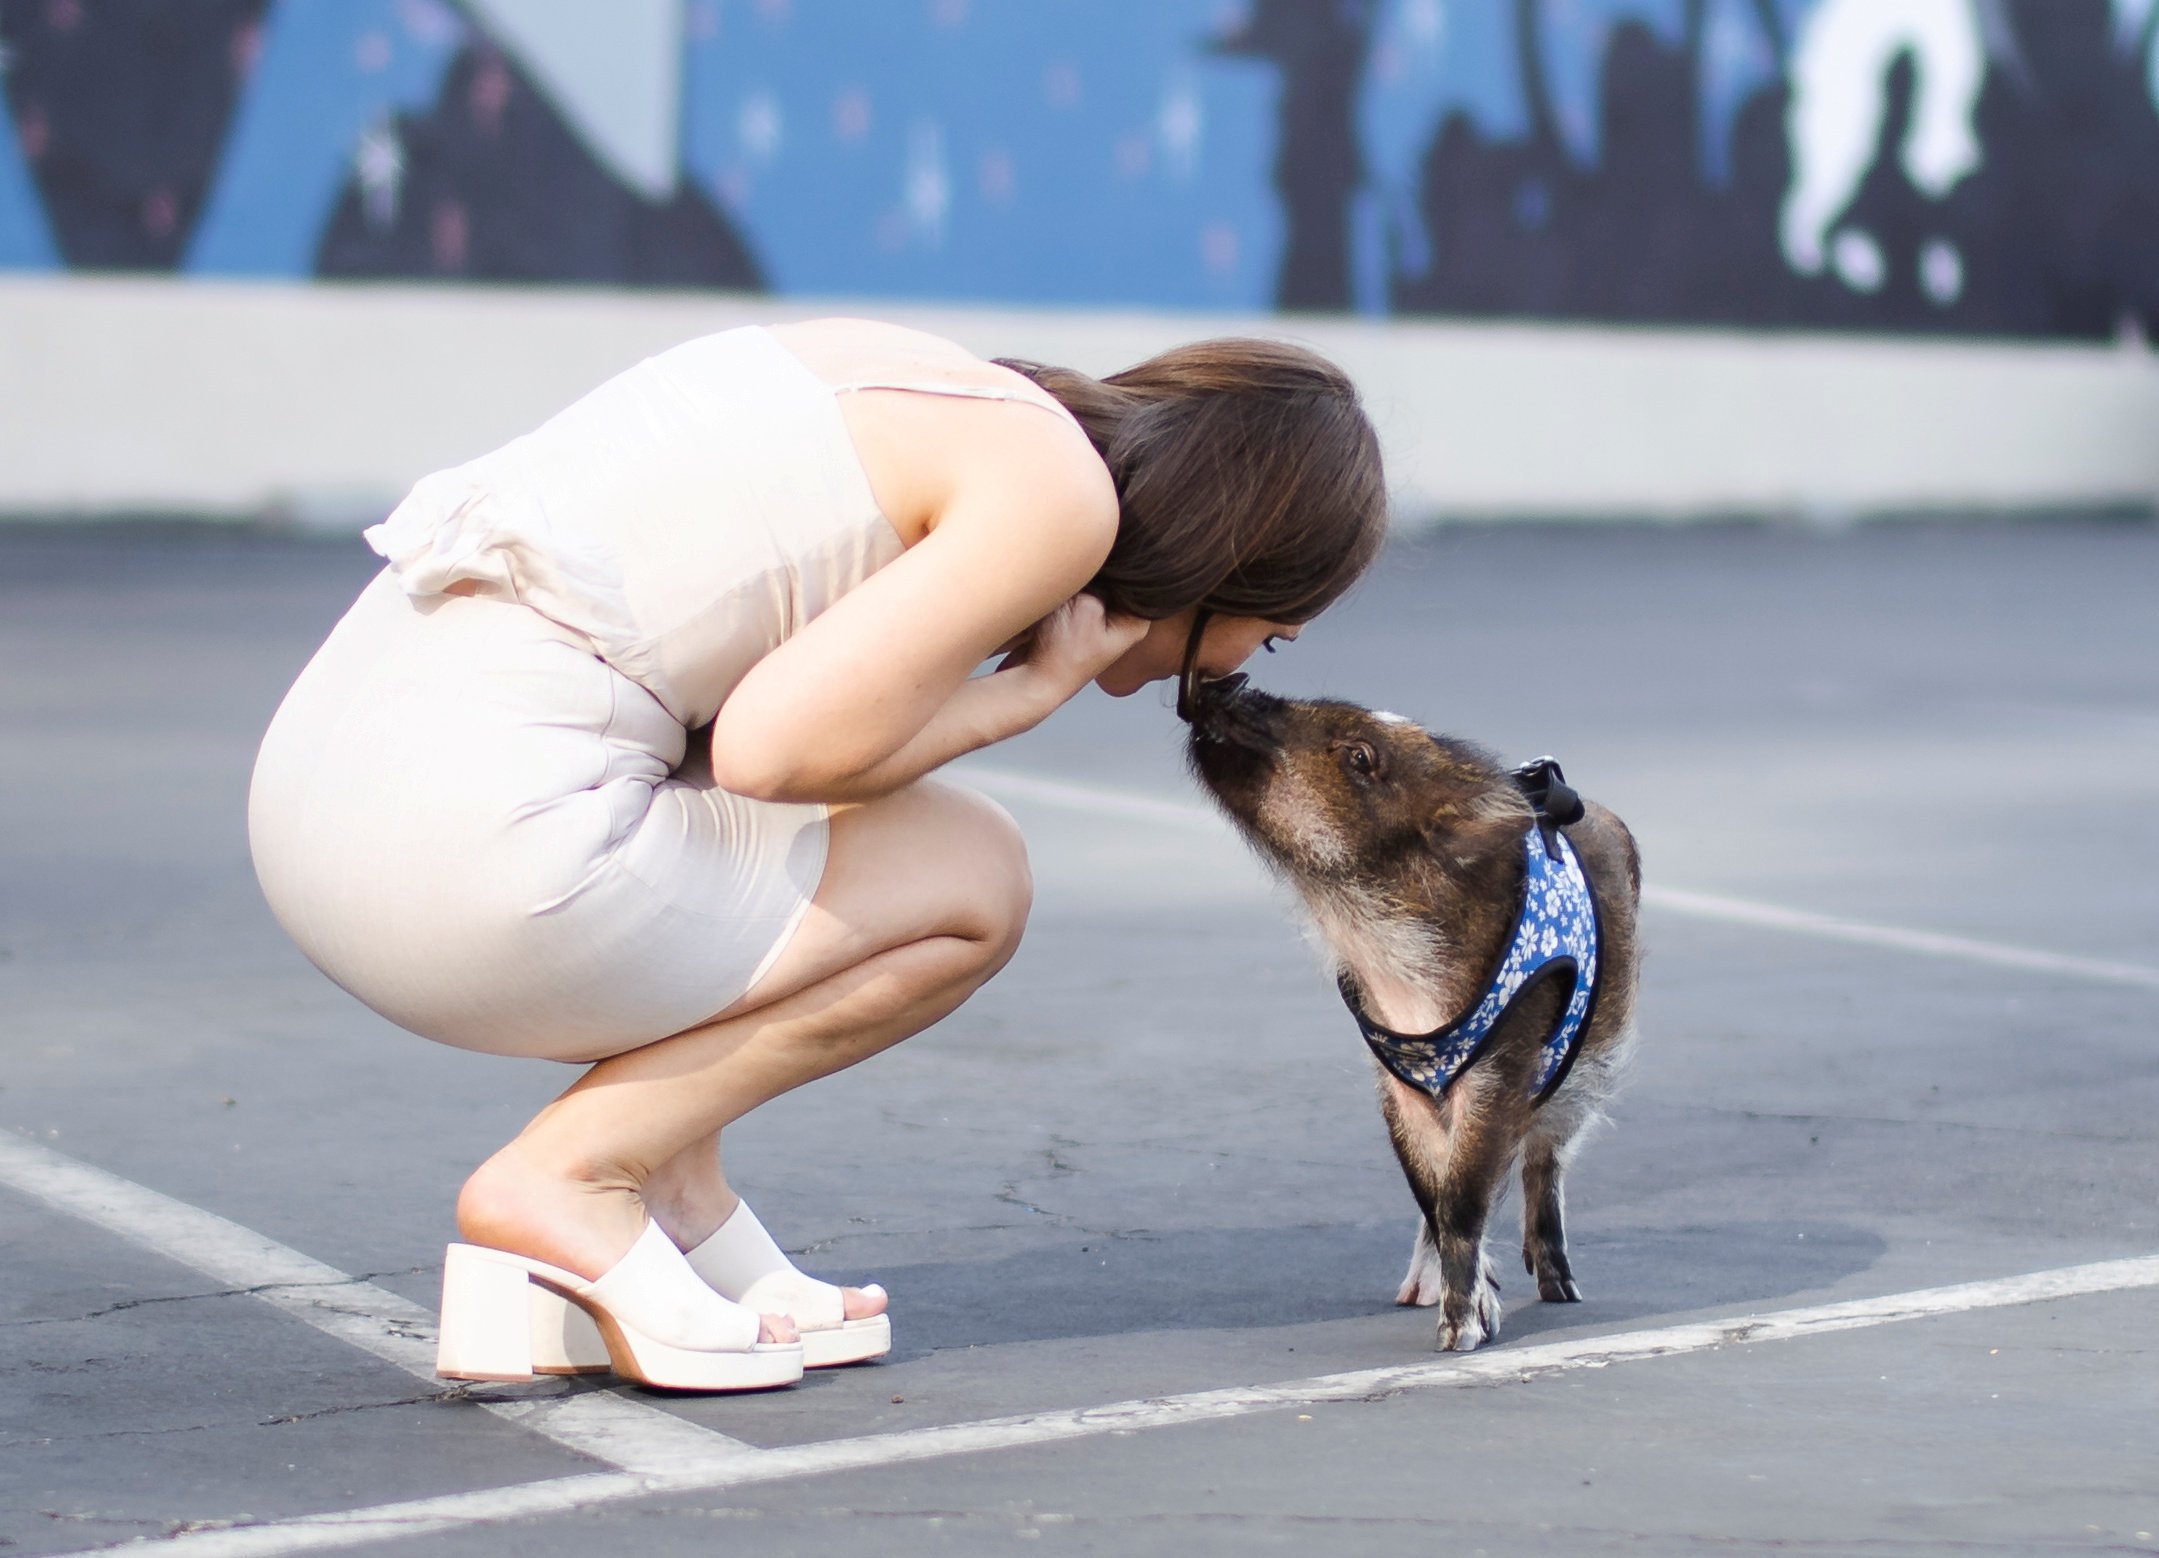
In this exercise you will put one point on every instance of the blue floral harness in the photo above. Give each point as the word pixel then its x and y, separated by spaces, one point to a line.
pixel 1555 936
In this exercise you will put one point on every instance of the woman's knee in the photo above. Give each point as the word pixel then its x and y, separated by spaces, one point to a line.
pixel 999 881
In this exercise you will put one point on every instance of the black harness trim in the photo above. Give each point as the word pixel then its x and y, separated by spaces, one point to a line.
pixel 1555 932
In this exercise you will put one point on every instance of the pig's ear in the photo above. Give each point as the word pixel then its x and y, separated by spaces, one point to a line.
pixel 1465 821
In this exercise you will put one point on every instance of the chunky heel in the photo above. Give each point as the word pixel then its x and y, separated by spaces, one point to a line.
pixel 486 1317
pixel 649 1317
pixel 564 1338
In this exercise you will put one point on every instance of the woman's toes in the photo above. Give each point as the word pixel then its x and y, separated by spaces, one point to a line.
pixel 861 1303
pixel 777 1328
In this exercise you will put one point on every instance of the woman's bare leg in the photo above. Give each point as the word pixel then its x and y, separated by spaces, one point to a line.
pixel 924 896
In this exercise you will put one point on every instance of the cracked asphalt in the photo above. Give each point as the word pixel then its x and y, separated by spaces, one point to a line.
pixel 1146 1159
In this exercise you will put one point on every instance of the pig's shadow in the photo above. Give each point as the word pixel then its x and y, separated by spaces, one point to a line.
pixel 1253 1278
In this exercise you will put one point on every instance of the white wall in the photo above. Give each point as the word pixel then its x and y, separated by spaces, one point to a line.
pixel 327 401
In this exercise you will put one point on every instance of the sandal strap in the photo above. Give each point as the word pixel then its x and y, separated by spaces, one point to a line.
pixel 738 1253
pixel 653 1290
pixel 745 1263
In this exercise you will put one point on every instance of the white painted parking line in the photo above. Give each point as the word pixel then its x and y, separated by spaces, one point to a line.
pixel 413 1517
pixel 1101 800
pixel 606 1427
pixel 1828 927
pixel 1136 807
pixel 1496 1366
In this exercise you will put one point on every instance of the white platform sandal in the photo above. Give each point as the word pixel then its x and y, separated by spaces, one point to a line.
pixel 649 1317
pixel 740 1261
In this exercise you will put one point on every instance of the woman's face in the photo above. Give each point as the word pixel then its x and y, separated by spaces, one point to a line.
pixel 1227 644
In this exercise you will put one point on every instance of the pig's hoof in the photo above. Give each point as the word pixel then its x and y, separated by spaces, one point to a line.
pixel 1479 1312
pixel 1555 1278
pixel 1425 1284
pixel 1466 1337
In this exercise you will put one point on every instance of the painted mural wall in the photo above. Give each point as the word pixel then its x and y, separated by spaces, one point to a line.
pixel 1969 166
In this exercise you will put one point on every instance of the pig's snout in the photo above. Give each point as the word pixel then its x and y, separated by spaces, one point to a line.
pixel 1226 710
pixel 1210 694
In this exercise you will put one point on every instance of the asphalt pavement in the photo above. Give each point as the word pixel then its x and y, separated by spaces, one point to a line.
pixel 1897 792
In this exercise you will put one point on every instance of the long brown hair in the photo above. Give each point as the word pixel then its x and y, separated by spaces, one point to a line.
pixel 1248 478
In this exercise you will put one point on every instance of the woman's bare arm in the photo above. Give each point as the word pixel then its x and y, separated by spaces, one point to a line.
pixel 1069 649
pixel 875 692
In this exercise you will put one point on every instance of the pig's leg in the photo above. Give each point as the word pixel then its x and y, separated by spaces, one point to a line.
pixel 1418 1128
pixel 1544 1231
pixel 1455 1156
pixel 1556 1134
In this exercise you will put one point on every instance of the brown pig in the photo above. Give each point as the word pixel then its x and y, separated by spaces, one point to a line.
pixel 1408 852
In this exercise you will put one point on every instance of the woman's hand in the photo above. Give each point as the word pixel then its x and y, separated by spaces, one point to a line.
pixel 1073 645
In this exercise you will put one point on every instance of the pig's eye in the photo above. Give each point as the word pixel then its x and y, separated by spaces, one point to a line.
pixel 1359 758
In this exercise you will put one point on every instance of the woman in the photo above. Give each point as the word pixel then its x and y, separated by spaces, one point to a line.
pixel 623 759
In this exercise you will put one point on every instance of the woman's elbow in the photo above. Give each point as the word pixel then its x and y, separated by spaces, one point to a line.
pixel 756 776
pixel 765 770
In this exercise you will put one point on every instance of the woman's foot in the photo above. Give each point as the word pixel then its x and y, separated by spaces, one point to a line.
pixel 742 1263
pixel 691 1201
pixel 584 1224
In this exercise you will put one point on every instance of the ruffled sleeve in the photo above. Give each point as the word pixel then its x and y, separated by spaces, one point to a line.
pixel 453 528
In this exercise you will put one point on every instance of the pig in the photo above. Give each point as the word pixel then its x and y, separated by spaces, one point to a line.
pixel 1410 854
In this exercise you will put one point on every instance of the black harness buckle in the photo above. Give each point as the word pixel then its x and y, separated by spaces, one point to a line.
pixel 1554 800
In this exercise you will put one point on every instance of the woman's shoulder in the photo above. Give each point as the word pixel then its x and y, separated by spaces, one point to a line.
pixel 844 350
pixel 923 452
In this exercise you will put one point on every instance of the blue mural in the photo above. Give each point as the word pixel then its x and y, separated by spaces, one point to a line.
pixel 1030 151
pixel 1979 166
pixel 324 90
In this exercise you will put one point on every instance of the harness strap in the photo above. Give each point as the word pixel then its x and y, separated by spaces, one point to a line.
pixel 1555 934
